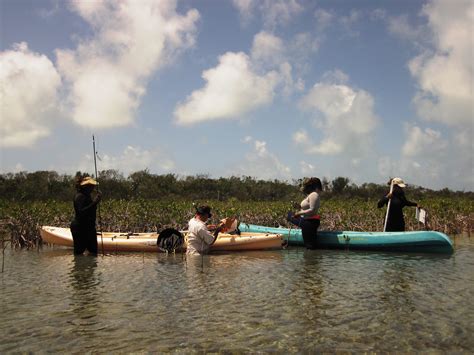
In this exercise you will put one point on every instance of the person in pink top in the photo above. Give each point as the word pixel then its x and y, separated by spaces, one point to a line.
pixel 307 218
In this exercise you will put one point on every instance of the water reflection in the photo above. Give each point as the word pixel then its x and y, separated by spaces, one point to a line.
pixel 84 298
pixel 283 301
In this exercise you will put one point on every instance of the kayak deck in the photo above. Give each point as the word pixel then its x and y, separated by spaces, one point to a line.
pixel 415 241
pixel 147 242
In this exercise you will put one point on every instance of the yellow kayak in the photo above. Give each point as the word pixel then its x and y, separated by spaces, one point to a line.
pixel 147 242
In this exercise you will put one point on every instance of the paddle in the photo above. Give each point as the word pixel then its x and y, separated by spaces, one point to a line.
pixel 388 205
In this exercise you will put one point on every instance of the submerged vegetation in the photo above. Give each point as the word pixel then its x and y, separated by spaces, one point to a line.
pixel 147 202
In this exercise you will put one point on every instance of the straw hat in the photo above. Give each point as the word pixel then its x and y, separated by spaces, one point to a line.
pixel 398 181
pixel 88 181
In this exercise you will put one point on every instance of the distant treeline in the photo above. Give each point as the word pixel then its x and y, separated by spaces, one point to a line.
pixel 49 185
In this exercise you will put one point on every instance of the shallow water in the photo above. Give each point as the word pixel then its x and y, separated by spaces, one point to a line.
pixel 285 301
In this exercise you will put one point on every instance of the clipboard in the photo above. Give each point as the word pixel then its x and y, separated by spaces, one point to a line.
pixel 420 215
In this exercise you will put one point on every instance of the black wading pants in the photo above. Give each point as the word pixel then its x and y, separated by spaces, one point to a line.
pixel 84 238
pixel 309 230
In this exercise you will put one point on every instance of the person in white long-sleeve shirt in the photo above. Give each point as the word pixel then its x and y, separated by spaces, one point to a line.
pixel 199 237
pixel 307 218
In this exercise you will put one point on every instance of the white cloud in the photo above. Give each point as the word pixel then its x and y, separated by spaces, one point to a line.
pixel 400 27
pixel 132 159
pixel 273 12
pixel 378 14
pixel 267 49
pixel 430 158
pixel 241 83
pixel 232 89
pixel 348 22
pixel 29 86
pixel 323 19
pixel 420 142
pixel 307 168
pixel 107 74
pixel 261 163
pixel 343 114
pixel 423 155
pixel 386 167
pixel 444 77
pixel 445 73
pixel 18 167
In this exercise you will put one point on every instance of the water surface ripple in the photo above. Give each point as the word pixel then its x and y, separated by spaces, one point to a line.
pixel 285 301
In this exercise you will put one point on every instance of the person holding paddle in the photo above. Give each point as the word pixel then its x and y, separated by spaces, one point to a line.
pixel 83 229
pixel 307 218
pixel 395 201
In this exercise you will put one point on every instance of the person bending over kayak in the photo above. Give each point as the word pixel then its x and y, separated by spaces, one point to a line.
pixel 199 237
pixel 84 233
pixel 307 217
pixel 395 220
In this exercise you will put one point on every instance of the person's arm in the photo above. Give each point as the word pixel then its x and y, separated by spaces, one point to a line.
pixel 408 203
pixel 207 237
pixel 382 202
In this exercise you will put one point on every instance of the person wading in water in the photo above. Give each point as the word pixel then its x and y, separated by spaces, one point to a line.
pixel 83 227
pixel 395 221
pixel 307 218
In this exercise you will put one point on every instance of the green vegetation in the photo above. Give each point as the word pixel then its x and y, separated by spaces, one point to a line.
pixel 147 202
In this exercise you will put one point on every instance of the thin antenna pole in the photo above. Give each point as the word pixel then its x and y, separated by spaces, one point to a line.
pixel 98 206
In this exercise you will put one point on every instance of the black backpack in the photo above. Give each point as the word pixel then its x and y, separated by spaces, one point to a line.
pixel 170 240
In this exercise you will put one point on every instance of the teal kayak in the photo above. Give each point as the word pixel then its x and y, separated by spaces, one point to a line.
pixel 416 241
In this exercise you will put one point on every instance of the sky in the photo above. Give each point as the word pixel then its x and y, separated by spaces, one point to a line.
pixel 273 89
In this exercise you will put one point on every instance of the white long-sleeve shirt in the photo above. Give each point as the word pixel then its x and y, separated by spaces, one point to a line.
pixel 199 237
pixel 310 205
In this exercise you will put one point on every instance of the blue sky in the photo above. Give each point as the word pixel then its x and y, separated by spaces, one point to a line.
pixel 264 88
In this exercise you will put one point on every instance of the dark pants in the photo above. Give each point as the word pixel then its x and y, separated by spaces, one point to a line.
pixel 84 238
pixel 309 230
pixel 395 225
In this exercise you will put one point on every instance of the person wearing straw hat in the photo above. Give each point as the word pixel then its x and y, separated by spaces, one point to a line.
pixel 394 219
pixel 83 229
pixel 200 239
pixel 307 218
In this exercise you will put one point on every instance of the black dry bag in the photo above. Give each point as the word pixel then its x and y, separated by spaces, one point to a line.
pixel 170 240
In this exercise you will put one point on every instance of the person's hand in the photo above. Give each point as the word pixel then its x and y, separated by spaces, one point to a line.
pixel 289 215
pixel 217 231
pixel 98 197
pixel 389 195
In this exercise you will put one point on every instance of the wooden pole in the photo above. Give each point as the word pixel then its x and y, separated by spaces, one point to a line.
pixel 388 206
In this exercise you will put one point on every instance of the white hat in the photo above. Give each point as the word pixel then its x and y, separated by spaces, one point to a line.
pixel 88 181
pixel 398 181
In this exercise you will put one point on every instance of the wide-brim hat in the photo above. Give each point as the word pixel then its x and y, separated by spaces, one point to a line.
pixel 398 181
pixel 88 181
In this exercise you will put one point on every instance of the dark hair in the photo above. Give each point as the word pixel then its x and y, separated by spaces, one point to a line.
pixel 78 179
pixel 204 210
pixel 312 184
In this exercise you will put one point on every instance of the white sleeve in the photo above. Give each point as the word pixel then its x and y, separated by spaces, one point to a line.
pixel 313 205
pixel 205 235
